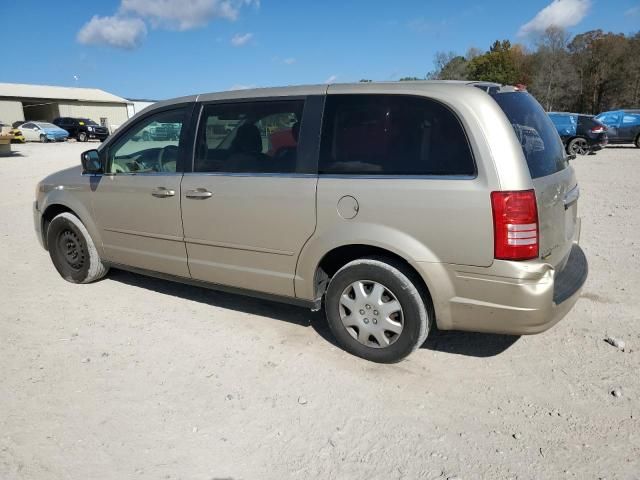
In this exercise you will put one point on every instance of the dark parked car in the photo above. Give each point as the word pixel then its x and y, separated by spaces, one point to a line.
pixel 82 129
pixel 580 134
pixel 623 126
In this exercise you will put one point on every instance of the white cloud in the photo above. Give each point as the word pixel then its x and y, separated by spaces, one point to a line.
pixel 240 40
pixel 127 28
pixel 331 79
pixel 633 11
pixel 289 61
pixel 559 13
pixel 238 86
pixel 127 33
pixel 185 14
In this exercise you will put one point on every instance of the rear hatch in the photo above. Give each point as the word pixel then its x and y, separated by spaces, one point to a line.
pixel 554 180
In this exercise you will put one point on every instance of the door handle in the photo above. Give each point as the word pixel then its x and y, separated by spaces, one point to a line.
pixel 198 194
pixel 162 192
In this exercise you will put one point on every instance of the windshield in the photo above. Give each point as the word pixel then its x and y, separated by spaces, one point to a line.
pixel 538 136
pixel 47 125
pixel 87 121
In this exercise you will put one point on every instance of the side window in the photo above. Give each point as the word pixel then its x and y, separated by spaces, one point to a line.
pixel 252 137
pixel 27 125
pixel 392 135
pixel 630 119
pixel 150 146
pixel 611 119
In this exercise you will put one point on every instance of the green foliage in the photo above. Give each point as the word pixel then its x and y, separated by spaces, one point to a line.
pixel 497 65
pixel 593 72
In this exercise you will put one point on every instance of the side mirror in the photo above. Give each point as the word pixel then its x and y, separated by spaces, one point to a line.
pixel 91 162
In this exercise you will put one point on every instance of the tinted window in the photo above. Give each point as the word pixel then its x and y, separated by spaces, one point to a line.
pixel 392 135
pixel 152 145
pixel 537 135
pixel 256 137
pixel 28 125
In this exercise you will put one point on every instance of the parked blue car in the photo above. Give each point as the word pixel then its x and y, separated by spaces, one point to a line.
pixel 43 132
pixel 623 126
pixel 580 134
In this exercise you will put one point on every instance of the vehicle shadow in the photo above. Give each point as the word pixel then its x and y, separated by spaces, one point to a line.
pixel 460 343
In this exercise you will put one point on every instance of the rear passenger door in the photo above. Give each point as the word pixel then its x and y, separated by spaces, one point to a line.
pixel 248 206
pixel 400 167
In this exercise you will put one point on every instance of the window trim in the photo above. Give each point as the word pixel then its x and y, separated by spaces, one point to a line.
pixel 305 146
pixel 184 152
pixel 369 176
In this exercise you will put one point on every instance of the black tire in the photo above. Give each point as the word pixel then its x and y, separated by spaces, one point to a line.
pixel 399 281
pixel 83 137
pixel 578 146
pixel 72 250
pixel 637 142
pixel 43 139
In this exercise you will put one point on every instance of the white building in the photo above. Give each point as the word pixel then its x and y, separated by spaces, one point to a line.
pixel 43 102
pixel 140 104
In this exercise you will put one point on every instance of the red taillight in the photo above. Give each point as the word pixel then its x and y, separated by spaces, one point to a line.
pixel 515 225
pixel 598 129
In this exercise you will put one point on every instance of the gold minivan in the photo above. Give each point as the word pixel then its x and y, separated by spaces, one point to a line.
pixel 390 205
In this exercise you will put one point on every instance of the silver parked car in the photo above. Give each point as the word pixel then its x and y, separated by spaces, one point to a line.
pixel 398 204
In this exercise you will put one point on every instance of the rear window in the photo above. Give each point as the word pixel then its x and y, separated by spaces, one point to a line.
pixel 392 135
pixel 538 136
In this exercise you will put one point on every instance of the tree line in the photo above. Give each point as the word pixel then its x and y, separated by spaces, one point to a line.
pixel 588 73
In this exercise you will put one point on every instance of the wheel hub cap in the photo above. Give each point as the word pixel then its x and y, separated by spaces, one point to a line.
pixel 371 313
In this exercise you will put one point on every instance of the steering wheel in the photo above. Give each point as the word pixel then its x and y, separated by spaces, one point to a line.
pixel 167 155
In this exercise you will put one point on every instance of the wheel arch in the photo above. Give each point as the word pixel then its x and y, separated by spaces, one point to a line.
pixel 55 206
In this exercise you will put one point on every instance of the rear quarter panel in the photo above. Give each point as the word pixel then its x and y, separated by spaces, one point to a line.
pixel 429 219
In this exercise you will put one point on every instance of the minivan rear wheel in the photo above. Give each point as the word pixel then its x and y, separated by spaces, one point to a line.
pixel 72 250
pixel 376 311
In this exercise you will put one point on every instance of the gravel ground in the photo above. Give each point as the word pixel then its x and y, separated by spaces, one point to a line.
pixel 133 377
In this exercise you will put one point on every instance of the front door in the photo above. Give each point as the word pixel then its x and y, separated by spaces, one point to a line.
pixel 137 200
pixel 249 206
pixel 629 127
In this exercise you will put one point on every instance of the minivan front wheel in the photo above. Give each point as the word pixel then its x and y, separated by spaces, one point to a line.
pixel 376 311
pixel 72 250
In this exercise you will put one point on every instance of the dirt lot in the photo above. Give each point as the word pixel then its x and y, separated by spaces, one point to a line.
pixel 132 377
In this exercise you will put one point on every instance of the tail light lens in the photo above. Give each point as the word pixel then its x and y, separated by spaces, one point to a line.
pixel 598 129
pixel 515 225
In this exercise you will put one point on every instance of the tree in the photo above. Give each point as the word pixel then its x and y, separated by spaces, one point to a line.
pixel 600 60
pixel 496 65
pixel 554 80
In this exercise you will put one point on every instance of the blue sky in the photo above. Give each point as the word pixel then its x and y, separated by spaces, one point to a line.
pixel 165 48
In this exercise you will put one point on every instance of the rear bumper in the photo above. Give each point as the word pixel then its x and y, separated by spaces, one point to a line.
pixel 516 298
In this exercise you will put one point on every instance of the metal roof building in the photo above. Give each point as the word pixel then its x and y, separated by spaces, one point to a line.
pixel 44 102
